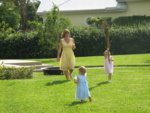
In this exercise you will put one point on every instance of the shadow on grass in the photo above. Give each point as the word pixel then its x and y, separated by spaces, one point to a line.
pixel 99 84
pixel 102 83
pixel 56 82
pixel 76 103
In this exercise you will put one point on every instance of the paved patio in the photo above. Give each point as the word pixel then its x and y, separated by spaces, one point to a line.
pixel 22 63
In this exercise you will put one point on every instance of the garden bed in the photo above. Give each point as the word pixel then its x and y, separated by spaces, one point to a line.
pixel 52 71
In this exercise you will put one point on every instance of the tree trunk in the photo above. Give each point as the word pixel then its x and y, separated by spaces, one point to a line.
pixel 24 19
pixel 105 27
pixel 22 8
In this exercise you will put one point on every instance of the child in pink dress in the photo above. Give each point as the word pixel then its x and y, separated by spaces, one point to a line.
pixel 108 66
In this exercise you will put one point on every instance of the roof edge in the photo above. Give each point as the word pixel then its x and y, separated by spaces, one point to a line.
pixel 121 7
pixel 106 10
pixel 130 0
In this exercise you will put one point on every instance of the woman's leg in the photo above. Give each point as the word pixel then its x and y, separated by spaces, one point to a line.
pixel 70 73
pixel 66 74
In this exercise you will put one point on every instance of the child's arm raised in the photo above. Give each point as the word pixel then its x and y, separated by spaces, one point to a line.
pixel 112 59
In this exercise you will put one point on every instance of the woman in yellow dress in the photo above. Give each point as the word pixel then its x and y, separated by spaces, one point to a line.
pixel 67 59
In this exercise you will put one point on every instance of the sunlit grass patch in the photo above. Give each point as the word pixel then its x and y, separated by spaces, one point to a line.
pixel 127 93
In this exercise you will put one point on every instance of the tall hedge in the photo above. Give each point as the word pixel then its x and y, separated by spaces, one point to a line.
pixel 19 46
pixel 124 40
pixel 89 42
pixel 23 46
pixel 132 20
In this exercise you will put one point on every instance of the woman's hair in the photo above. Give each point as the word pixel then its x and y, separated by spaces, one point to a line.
pixel 82 70
pixel 64 32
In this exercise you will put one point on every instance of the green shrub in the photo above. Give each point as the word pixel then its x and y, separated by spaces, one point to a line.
pixel 90 41
pixel 93 21
pixel 9 14
pixel 5 30
pixel 20 45
pixel 33 25
pixel 124 40
pixel 15 73
pixel 131 20
pixel 50 33
pixel 23 45
pixel 130 40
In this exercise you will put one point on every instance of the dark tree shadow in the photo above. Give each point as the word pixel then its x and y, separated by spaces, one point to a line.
pixel 99 84
pixel 56 82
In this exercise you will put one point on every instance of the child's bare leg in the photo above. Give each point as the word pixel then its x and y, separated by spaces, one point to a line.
pixel 109 77
pixel 82 101
pixel 90 99
pixel 66 74
pixel 70 70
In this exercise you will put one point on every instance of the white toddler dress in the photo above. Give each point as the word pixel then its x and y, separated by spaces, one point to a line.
pixel 108 67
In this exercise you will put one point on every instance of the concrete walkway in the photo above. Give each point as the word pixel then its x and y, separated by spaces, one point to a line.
pixel 39 66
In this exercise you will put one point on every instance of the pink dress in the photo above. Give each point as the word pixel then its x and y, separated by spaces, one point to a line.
pixel 108 67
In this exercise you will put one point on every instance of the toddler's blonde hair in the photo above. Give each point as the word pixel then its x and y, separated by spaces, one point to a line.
pixel 82 70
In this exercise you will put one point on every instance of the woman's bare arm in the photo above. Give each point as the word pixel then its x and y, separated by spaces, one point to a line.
pixel 73 46
pixel 59 50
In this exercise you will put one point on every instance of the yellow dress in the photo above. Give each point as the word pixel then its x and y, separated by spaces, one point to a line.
pixel 67 60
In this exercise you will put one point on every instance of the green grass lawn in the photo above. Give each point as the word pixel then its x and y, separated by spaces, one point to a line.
pixel 129 92
pixel 119 60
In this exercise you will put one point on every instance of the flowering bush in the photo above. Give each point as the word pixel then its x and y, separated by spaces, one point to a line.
pixel 15 73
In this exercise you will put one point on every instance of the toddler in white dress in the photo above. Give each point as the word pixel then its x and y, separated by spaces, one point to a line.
pixel 108 65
